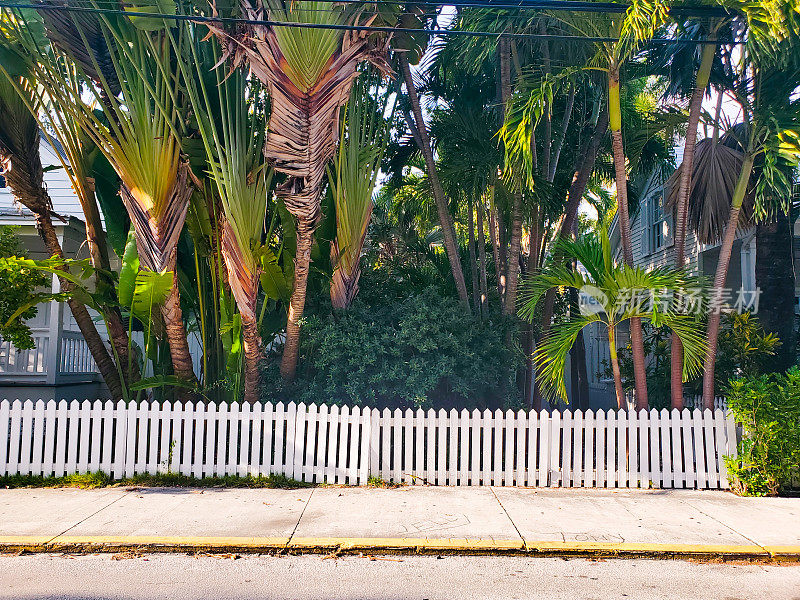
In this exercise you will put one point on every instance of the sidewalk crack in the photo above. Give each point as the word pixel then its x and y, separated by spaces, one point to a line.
pixel 519 533
pixel 300 518
pixel 99 510
pixel 713 518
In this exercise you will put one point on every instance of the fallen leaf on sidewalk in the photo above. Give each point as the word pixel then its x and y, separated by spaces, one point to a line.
pixel 124 555
pixel 384 558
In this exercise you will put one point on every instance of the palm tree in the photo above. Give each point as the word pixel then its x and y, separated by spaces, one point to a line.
pixel 19 147
pixel 681 179
pixel 608 287
pixel 420 134
pixel 130 70
pixel 639 23
pixel 308 73
pixel 363 137
pixel 724 170
pixel 231 121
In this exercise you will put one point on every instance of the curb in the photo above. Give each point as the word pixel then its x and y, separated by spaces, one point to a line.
pixel 404 546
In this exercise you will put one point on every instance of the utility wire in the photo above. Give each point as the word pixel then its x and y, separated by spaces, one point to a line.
pixel 344 27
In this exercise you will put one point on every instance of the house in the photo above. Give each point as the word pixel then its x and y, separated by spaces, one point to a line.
pixel 60 366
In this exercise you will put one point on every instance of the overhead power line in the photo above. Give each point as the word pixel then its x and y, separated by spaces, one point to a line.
pixel 345 27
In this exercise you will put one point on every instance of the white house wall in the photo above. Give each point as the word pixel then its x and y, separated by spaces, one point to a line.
pixel 57 183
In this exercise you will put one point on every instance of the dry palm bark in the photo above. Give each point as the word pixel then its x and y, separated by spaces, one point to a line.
pixel 302 131
pixel 19 146
pixel 244 287
pixel 157 242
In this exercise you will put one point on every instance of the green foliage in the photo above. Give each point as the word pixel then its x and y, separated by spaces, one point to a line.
pixel 744 350
pixel 18 285
pixel 417 350
pixel 619 292
pixel 768 409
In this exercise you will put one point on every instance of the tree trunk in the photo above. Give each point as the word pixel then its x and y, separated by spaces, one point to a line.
pixel 512 273
pixel 97 347
pixel 252 357
pixel 513 255
pixel 712 331
pixel 25 179
pixel 775 279
pixel 445 219
pixel 482 261
pixel 302 262
pixel 551 175
pixel 176 330
pixel 612 353
pixel 623 219
pixel 494 235
pixel 473 260
pixel 682 208
pixel 98 251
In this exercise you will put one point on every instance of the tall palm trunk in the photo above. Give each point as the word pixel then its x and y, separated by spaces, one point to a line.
pixel 494 235
pixel 445 219
pixel 302 262
pixel 98 252
pixel 473 260
pixel 712 331
pixel 682 207
pixel 482 260
pixel 243 281
pixel 615 123
pixel 512 270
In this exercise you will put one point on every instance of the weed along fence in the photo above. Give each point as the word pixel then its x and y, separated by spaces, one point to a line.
pixel 341 445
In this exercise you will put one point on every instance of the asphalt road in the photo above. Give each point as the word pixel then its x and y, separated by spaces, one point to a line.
pixel 174 576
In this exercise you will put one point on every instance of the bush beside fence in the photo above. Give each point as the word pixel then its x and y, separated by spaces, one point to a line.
pixel 666 449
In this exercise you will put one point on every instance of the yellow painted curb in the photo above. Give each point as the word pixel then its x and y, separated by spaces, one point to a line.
pixel 648 548
pixel 85 544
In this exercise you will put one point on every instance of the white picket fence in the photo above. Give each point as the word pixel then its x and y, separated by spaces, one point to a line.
pixel 346 446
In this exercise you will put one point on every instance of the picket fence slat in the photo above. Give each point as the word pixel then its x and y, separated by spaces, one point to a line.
pixel 316 443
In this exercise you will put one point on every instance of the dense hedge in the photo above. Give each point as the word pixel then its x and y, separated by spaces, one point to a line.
pixel 768 409
pixel 418 351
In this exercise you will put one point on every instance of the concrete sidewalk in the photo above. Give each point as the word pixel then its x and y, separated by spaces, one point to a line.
pixel 656 523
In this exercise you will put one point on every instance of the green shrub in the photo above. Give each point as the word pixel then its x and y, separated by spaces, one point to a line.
pixel 423 350
pixel 744 350
pixel 768 409
pixel 18 287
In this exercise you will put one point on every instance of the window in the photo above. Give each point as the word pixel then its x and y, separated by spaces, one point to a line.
pixel 659 223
